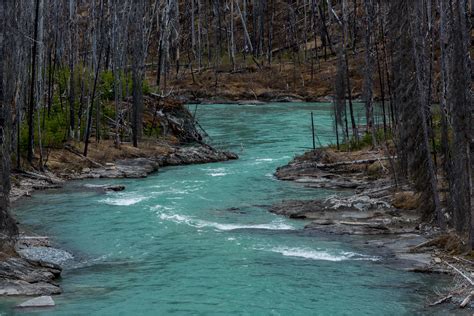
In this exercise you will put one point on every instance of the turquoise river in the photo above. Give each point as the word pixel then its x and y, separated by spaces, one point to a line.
pixel 198 240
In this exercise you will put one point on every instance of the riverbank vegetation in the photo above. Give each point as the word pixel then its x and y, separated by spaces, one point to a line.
pixel 80 72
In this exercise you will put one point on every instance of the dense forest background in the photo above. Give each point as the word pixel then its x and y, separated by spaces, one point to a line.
pixel 77 71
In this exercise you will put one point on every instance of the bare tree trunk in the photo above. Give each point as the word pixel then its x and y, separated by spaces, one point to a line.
pixel 31 106
pixel 232 40
pixel 423 79
pixel 459 101
pixel 368 72
pixel 246 33
pixel 91 102
pixel 8 228
pixel 72 49
pixel 40 81
pixel 140 34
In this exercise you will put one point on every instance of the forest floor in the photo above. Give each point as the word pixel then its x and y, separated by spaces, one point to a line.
pixel 378 213
pixel 282 81
pixel 287 78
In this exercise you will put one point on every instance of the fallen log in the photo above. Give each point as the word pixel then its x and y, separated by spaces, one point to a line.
pixel 467 300
pixel 77 153
pixel 36 176
pixel 352 162
pixel 464 260
pixel 442 300
pixel 461 273
pixel 365 224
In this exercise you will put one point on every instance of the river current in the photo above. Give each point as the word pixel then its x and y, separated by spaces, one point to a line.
pixel 199 240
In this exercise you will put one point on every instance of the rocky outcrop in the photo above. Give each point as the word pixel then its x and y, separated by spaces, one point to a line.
pixel 382 217
pixel 326 169
pixel 24 183
pixel 20 276
pixel 142 167
pixel 313 174
pixel 35 268
pixel 196 155
pixel 350 215
pixel 126 168
pixel 174 119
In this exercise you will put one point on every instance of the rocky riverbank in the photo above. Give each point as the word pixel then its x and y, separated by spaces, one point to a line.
pixel 383 215
pixel 34 269
pixel 26 182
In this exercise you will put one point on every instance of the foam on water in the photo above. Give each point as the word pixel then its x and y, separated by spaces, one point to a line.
pixel 91 185
pixel 218 174
pixel 122 201
pixel 323 255
pixel 182 219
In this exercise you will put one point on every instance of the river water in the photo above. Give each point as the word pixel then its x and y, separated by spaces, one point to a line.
pixel 199 240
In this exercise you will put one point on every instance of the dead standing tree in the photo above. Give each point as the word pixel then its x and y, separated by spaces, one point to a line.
pixel 119 29
pixel 409 69
pixel 457 82
pixel 368 71
pixel 142 19
pixel 8 228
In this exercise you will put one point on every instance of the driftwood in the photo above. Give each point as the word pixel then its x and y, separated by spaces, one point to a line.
pixel 352 162
pixel 32 175
pixel 467 300
pixel 464 260
pixel 442 300
pixel 32 237
pixel 427 243
pixel 461 273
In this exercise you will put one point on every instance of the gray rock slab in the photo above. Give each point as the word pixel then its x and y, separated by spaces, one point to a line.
pixel 46 254
pixel 41 301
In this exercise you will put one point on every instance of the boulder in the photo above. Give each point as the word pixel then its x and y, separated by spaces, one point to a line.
pixel 41 301
pixel 115 188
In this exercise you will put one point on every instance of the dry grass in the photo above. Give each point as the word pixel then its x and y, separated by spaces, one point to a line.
pixel 406 200
pixel 450 243
pixel 63 161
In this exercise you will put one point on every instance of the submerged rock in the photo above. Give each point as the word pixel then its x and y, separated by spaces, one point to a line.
pixel 106 187
pixel 42 301
pixel 115 188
